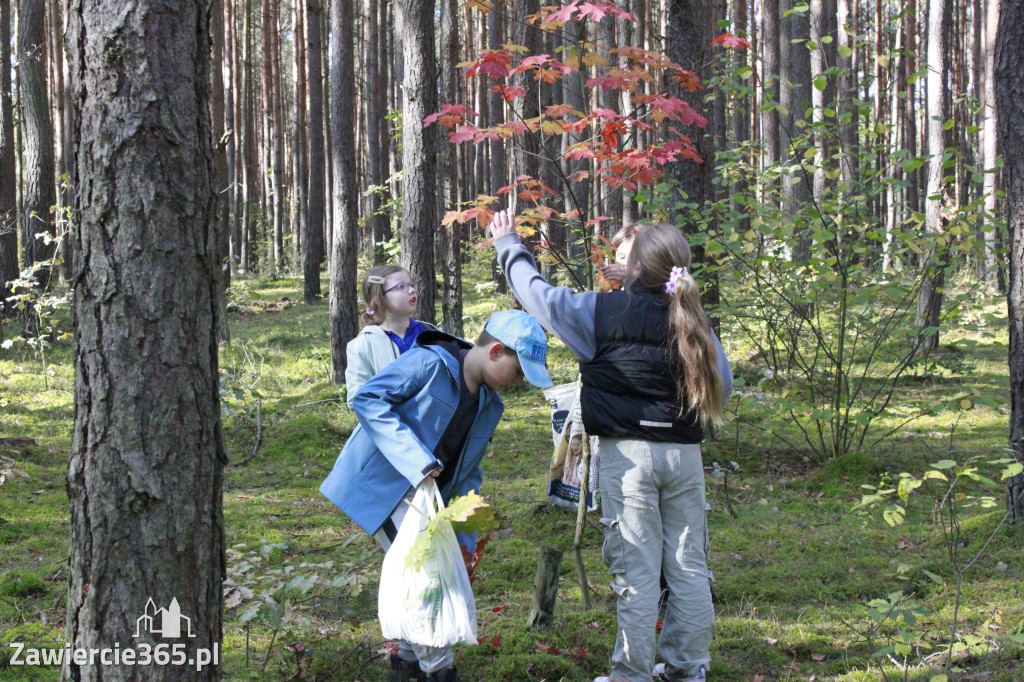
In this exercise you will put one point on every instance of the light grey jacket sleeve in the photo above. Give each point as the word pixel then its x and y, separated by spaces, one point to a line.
pixel 359 368
pixel 563 312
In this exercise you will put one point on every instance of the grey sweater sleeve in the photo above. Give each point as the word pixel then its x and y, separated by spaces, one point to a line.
pixel 563 312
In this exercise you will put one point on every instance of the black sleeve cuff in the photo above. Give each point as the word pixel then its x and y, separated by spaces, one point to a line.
pixel 433 466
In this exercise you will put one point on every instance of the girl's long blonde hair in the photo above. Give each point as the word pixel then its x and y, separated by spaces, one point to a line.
pixel 373 293
pixel 657 249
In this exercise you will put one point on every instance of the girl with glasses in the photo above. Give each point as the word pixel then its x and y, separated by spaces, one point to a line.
pixel 389 328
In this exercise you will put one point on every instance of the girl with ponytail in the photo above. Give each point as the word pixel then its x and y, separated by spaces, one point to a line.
pixel 654 377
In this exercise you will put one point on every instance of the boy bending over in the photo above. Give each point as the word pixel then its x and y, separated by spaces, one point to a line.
pixel 431 412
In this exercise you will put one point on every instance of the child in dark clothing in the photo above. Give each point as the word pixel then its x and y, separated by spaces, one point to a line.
pixel 654 376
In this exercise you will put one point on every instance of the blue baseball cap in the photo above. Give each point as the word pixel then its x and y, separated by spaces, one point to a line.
pixel 521 332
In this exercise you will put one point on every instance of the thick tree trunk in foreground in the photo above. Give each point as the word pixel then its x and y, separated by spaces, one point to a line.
pixel 1009 87
pixel 419 160
pixel 344 324
pixel 147 454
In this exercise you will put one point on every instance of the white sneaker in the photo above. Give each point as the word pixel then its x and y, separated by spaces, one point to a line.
pixel 658 672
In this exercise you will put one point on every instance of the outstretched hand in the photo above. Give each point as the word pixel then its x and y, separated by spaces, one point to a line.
pixel 613 272
pixel 504 222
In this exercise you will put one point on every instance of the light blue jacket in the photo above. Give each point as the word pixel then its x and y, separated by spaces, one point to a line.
pixel 403 411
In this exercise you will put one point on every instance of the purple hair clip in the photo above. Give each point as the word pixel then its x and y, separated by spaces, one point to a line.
pixel 674 278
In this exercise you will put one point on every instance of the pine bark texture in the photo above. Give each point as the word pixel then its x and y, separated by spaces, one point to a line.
pixel 314 239
pixel 37 169
pixel 375 135
pixel 147 454
pixel 689 38
pixel 218 92
pixel 989 150
pixel 451 235
pixel 8 195
pixel 929 302
pixel 1009 91
pixel 344 324
pixel 419 159
pixel 300 146
pixel 770 80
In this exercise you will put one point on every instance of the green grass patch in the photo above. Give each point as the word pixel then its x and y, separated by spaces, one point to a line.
pixel 796 568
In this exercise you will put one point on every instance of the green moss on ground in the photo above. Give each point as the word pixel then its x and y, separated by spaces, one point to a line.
pixel 796 568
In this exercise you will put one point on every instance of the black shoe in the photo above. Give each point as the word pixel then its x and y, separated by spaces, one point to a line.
pixel 445 675
pixel 405 671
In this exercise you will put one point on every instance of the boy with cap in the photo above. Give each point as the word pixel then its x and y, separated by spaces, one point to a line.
pixel 431 412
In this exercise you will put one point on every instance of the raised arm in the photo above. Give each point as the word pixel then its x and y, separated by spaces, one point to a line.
pixel 564 313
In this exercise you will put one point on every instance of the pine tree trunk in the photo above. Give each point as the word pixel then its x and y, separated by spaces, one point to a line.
pixel 846 90
pixel 300 140
pixel 419 159
pixel 278 143
pixel 689 38
pixel 910 108
pixel 376 129
pixel 344 109
pixel 770 124
pixel 383 125
pixel 611 198
pixel 58 109
pixel 37 171
pixel 929 302
pixel 231 94
pixel 819 98
pixel 577 198
pixel 989 128
pixel 450 235
pixel 221 224
pixel 247 145
pixel 1009 95
pixel 147 454
pixel 796 87
pixel 526 152
pixel 741 121
pixel 314 238
pixel 497 113
pixel 325 31
pixel 8 171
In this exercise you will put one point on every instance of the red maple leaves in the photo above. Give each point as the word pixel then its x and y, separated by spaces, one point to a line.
pixel 729 40
pixel 602 143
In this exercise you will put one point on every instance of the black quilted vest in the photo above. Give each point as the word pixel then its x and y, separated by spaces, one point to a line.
pixel 629 388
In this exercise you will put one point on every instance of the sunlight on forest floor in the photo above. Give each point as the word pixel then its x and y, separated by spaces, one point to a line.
pixel 796 569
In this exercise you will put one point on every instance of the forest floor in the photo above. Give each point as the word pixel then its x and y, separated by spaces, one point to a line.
pixel 806 587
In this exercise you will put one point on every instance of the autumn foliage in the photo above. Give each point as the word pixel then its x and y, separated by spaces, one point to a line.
pixel 602 137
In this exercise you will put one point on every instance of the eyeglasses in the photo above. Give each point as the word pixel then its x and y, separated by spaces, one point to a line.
pixel 404 287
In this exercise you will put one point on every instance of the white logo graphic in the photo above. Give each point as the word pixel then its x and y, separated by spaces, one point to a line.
pixel 163 622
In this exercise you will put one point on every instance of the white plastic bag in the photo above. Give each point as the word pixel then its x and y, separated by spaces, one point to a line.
pixel 433 606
